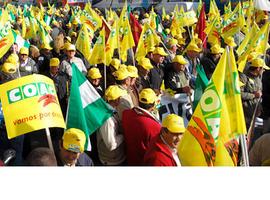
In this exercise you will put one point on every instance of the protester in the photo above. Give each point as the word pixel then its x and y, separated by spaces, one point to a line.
pixel 162 150
pixel 41 156
pixel 95 77
pixel 144 66
pixel 140 126
pixel 27 65
pixel 110 139
pixel 71 147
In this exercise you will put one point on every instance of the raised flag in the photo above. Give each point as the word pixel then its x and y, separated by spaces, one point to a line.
pixel 30 103
pixel 209 139
pixel 87 111
pixel 135 28
pixel 98 54
pixel 201 26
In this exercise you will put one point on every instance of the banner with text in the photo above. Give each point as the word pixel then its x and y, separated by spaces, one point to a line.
pixel 30 103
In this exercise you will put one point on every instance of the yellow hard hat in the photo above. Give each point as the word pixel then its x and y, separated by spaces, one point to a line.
pixel 24 50
pixel 9 68
pixel 258 62
pixel 94 73
pixel 74 140
pixel 179 59
pixel 145 63
pixel 193 47
pixel 160 51
pixel 113 92
pixel 46 46
pixel 147 96
pixel 115 63
pixel 54 62
pixel 216 49
pixel 230 41
pixel 133 71
pixel 174 123
pixel 13 58
pixel 70 47
pixel 121 74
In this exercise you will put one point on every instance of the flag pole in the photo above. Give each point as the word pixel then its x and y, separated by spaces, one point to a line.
pixel 242 138
pixel 105 67
pixel 48 134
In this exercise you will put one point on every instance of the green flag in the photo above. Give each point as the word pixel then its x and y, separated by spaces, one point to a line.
pixel 87 111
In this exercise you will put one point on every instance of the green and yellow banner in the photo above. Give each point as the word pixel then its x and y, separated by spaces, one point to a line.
pixel 30 103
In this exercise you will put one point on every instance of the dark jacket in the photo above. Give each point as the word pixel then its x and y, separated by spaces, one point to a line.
pixel 266 94
pixel 209 65
pixel 156 76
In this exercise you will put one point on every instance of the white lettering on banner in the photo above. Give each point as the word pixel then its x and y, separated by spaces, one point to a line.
pixel 178 104
pixel 15 94
pixel 213 123
pixel 30 90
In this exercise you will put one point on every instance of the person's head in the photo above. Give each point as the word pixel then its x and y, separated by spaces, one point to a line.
pixel 179 63
pixel 173 45
pixel 216 52
pixel 9 68
pixel 54 65
pixel 172 129
pixel 94 76
pixel 70 50
pixel 34 52
pixel 230 41
pixel 122 76
pixel 72 146
pixel 113 95
pixel 23 54
pixel 257 66
pixel 14 48
pixel 144 66
pixel 159 55
pixel 193 51
pixel 46 48
pixel 147 99
pixel 41 156
pixel 133 74
pixel 150 53
pixel 114 65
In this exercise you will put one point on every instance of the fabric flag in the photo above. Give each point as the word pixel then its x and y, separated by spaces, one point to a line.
pixel 213 31
pixel 112 43
pixel 209 139
pixel 93 17
pixel 85 102
pixel 148 40
pixel 20 41
pixel 125 34
pixel 5 43
pixel 262 5
pixel 107 28
pixel 98 54
pixel 258 43
pixel 200 85
pixel 83 43
pixel 201 26
pixel 135 28
pixel 234 23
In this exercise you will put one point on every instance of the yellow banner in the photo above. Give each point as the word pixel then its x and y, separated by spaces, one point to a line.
pixel 30 103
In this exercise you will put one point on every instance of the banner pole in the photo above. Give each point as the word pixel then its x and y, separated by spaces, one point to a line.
pixel 48 134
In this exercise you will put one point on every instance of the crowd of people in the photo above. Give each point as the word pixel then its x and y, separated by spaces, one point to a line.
pixel 134 135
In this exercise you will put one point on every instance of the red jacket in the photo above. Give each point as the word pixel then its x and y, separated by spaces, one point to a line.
pixel 158 154
pixel 139 128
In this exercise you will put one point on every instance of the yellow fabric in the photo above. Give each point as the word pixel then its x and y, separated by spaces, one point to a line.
pixel 115 63
pixel 98 54
pixel 112 43
pixel 113 92
pixel 217 120
pixel 148 40
pixel 258 62
pixel 216 49
pixel 24 50
pixel 13 58
pixel 147 96
pixel 133 71
pixel 160 51
pixel 121 74
pixel 230 41
pixel 174 123
pixel 9 68
pixel 179 59
pixel 74 140
pixel 46 46
pixel 83 43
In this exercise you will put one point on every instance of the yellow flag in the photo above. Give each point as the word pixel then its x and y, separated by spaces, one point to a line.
pixel 213 11
pixel 213 31
pixel 83 43
pixel 234 23
pixel 93 17
pixel 98 53
pixel 217 120
pixel 125 34
pixel 36 93
pixel 112 43
pixel 148 40
pixel 258 43
pixel 5 43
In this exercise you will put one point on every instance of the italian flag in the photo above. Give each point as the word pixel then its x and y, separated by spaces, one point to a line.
pixel 87 111
pixel 20 41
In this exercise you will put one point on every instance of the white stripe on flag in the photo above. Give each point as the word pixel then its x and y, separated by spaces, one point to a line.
pixel 88 94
